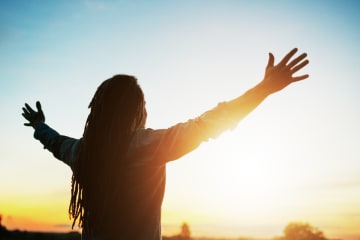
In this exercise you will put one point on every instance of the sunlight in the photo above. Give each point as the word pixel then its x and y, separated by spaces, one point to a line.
pixel 230 185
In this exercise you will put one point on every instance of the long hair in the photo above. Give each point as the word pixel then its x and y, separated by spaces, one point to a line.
pixel 116 111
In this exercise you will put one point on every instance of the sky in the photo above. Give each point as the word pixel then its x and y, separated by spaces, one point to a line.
pixel 295 158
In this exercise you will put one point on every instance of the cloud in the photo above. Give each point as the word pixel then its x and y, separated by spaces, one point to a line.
pixel 336 185
pixel 62 225
pixel 343 185
pixel 96 5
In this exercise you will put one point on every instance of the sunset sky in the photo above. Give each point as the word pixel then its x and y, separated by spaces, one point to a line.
pixel 295 158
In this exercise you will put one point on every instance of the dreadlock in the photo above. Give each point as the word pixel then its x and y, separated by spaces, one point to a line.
pixel 117 110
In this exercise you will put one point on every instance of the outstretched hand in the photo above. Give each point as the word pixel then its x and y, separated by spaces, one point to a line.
pixel 34 118
pixel 279 76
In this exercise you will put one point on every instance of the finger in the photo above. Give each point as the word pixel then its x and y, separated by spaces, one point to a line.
pixel 299 78
pixel 288 56
pixel 297 60
pixel 38 106
pixel 271 60
pixel 25 111
pixel 300 66
pixel 26 117
pixel 29 108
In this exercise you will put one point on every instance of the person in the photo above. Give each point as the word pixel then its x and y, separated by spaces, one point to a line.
pixel 119 165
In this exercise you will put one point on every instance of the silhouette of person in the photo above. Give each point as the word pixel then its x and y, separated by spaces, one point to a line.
pixel 119 166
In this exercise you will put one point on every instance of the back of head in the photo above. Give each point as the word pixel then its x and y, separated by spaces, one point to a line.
pixel 117 110
pixel 118 98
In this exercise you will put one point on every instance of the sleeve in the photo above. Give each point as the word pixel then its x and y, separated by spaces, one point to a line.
pixel 164 145
pixel 62 147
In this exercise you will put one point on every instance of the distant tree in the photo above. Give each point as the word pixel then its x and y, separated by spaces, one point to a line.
pixel 185 232
pixel 301 231
pixel 2 228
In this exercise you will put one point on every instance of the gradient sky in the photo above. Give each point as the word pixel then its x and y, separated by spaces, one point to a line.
pixel 295 158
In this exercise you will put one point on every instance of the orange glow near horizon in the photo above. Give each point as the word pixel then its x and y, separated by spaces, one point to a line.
pixel 32 213
pixel 200 226
pixel 14 222
pixel 49 216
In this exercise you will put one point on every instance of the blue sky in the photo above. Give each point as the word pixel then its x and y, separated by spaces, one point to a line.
pixel 299 150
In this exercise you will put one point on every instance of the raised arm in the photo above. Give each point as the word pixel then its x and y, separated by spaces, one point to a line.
pixel 170 144
pixel 276 78
pixel 63 148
